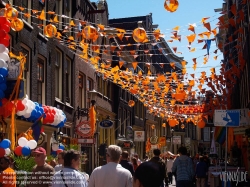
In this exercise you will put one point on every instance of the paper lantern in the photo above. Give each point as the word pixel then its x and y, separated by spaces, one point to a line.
pixel 131 103
pixel 171 5
pixel 11 13
pixel 173 122
pixel 152 126
pixel 201 124
pixel 164 125
pixel 182 126
pixel 17 24
pixel 90 33
pixel 139 34
pixel 50 30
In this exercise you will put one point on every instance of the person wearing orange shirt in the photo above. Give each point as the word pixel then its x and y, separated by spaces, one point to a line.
pixel 8 175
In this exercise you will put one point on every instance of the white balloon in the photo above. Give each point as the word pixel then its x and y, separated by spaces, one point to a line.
pixel 2 48
pixel 22 142
pixel 32 144
pixel 3 64
pixel 55 147
pixel 5 57
pixel 6 50
pixel 7 151
pixel 24 101
pixel 21 113
pixel 27 115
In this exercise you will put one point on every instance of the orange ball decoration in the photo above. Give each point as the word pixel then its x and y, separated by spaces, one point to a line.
pixel 17 24
pixel 11 13
pixel 90 33
pixel 50 30
pixel 171 5
pixel 152 126
pixel 131 103
pixel 201 124
pixel 139 35
pixel 173 122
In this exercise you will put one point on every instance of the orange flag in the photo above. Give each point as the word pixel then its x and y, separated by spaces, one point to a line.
pixel 191 28
pixel 175 49
pixel 191 38
pixel 207 25
pixel 134 64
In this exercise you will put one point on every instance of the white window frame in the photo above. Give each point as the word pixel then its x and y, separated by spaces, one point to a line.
pixel 27 81
pixel 68 68
pixel 44 78
pixel 58 66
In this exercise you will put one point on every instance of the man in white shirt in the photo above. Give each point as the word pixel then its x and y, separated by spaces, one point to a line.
pixel 170 162
pixel 69 176
pixel 112 174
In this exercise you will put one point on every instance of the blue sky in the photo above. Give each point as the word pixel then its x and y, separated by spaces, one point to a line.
pixel 188 12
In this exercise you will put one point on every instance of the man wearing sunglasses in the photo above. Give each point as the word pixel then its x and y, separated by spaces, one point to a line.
pixel 8 175
pixel 42 172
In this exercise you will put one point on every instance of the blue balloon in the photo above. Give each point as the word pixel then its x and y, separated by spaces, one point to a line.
pixel 2 79
pixel 5 143
pixel 53 153
pixel 3 86
pixel 26 151
pixel 61 146
pixel 33 113
pixel 4 71
pixel 61 124
pixel 2 95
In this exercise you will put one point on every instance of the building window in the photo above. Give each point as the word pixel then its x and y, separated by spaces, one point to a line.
pixel 68 80
pixel 26 73
pixel 82 90
pixel 40 80
pixel 58 74
pixel 58 12
pixel 89 84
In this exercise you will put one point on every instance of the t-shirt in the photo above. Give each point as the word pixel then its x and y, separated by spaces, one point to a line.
pixel 41 176
pixel 8 178
pixel 58 167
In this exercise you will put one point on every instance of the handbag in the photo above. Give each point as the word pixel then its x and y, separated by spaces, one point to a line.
pixel 61 172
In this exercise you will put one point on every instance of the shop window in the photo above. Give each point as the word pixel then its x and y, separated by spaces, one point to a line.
pixel 40 80
pixel 26 73
pixel 58 74
pixel 68 78
pixel 82 90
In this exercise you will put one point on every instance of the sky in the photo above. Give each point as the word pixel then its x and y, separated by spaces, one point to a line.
pixel 188 12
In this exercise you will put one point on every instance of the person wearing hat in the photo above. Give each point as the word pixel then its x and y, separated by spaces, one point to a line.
pixel 8 175
pixel 42 172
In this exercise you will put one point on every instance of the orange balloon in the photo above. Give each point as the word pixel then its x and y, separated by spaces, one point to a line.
pixel 11 13
pixel 171 5
pixel 50 30
pixel 17 24
pixel 172 122
pixel 201 124
pixel 90 33
pixel 139 34
pixel 131 103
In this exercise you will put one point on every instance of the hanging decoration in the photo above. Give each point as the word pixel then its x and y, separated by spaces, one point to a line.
pixel 171 5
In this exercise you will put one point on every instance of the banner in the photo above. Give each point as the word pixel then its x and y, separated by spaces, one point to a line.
pixel 227 118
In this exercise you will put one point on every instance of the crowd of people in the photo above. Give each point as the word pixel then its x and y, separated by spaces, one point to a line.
pixel 120 170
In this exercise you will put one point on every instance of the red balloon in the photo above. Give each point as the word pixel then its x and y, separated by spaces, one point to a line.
pixel 18 151
pixel 5 42
pixel 2 33
pixel 3 20
pixel 53 111
pixel 59 151
pixel 2 152
pixel 20 106
pixel 5 27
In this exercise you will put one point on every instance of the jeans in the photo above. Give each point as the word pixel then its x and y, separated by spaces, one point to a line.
pixel 184 183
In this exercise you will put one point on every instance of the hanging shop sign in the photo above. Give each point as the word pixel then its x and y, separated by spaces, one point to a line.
pixel 139 136
pixel 177 140
pixel 127 144
pixel 83 129
pixel 129 133
pixel 153 140
pixel 227 118
pixel 106 124
pixel 41 139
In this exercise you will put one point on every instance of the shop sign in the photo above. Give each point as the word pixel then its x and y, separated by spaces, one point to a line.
pixel 86 140
pixel 162 140
pixel 139 136
pixel 83 129
pixel 177 140
pixel 106 124
pixel 127 144
pixel 153 140
pixel 41 140
pixel 129 133
pixel 227 118
pixel 240 130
